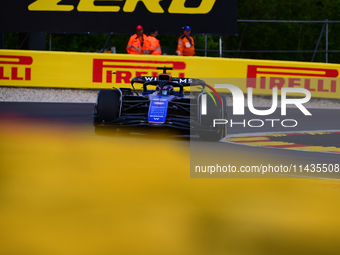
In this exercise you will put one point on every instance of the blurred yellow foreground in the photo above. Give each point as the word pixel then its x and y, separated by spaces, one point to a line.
pixel 67 191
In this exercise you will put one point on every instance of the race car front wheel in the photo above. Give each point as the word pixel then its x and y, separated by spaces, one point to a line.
pixel 107 105
pixel 215 110
pixel 106 110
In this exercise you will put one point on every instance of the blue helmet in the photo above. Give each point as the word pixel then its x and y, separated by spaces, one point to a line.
pixel 187 28
pixel 166 90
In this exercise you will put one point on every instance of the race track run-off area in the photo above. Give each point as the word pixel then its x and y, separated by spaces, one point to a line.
pixel 307 141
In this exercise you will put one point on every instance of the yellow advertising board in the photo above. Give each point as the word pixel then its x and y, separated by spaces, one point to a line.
pixel 99 70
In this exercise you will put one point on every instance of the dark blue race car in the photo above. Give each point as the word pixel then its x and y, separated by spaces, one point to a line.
pixel 162 103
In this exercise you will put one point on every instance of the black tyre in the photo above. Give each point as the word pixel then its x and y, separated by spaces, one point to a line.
pixel 108 104
pixel 217 111
pixel 106 110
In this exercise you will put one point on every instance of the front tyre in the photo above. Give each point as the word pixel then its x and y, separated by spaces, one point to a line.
pixel 108 103
pixel 214 111
pixel 107 108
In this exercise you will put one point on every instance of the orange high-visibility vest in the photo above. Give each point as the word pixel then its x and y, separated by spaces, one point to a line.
pixel 185 46
pixel 135 45
pixel 154 46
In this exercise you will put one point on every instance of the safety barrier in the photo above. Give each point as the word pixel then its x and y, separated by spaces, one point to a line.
pixel 99 70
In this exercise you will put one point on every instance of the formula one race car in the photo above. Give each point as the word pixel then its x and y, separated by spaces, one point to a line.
pixel 162 103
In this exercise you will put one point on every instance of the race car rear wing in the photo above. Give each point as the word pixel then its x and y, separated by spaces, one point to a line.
pixel 166 77
pixel 183 81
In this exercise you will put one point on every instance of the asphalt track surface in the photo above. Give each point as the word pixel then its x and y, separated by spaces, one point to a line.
pixel 321 120
pixel 80 113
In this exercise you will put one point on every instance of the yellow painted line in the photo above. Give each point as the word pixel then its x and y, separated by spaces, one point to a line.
pixel 268 144
pixel 317 148
pixel 251 140
pixel 235 139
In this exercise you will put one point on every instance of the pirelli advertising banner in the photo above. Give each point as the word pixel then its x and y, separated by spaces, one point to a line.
pixel 100 70
pixel 118 16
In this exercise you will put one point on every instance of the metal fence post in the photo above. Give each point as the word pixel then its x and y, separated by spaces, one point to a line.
pixel 107 41
pixel 220 43
pixel 326 40
pixel 205 45
pixel 317 44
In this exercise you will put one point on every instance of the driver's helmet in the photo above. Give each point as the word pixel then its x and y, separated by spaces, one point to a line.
pixel 167 90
